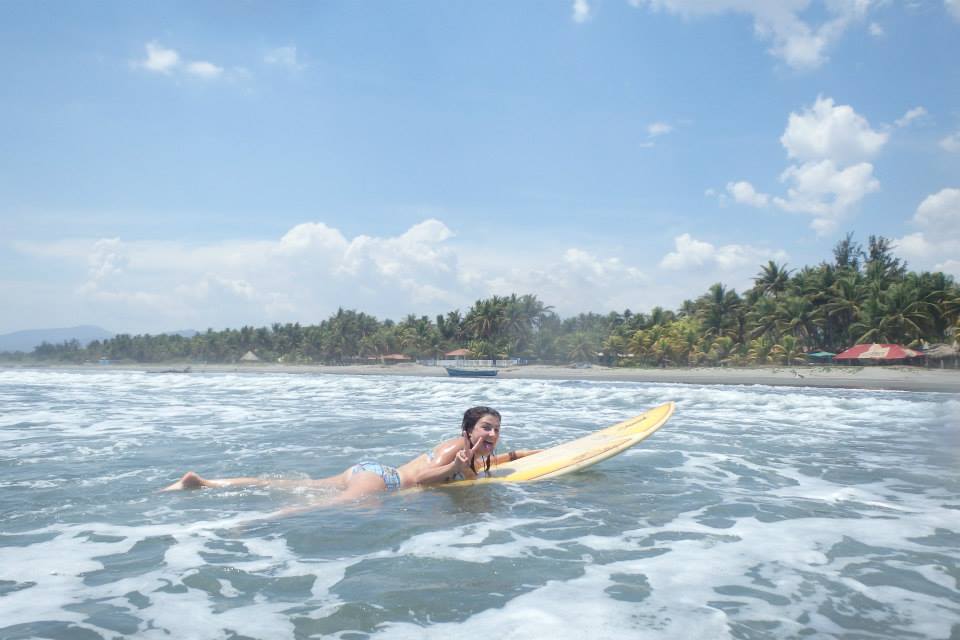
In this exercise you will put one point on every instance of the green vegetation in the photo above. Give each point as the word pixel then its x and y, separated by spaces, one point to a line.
pixel 859 296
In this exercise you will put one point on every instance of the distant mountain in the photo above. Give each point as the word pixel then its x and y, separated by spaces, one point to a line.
pixel 27 340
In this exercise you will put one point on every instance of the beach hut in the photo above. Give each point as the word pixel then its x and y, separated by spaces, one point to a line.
pixel 394 358
pixel 249 356
pixel 457 353
pixel 876 353
pixel 942 355
pixel 821 356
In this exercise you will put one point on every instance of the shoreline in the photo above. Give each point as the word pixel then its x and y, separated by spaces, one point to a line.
pixel 890 378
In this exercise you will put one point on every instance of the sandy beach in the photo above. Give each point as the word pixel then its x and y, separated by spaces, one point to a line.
pixel 897 378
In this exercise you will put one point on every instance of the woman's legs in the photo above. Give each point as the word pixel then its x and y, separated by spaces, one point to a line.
pixel 359 485
pixel 191 480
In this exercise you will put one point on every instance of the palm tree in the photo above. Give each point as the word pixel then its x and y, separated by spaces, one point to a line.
pixel 453 329
pixel 582 348
pixel 936 289
pixel 544 346
pixel 661 351
pixel 534 310
pixel 906 316
pixel 486 317
pixel 659 316
pixel 763 318
pixel 869 324
pixel 844 307
pixel 788 350
pixel 686 334
pixel 718 311
pixel 688 309
pixel 772 279
pixel 950 307
pixel 721 349
pixel 639 344
pixel 518 324
pixel 797 316
pixel 760 350
pixel 613 347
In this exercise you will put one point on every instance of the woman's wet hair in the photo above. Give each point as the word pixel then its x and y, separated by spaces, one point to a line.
pixel 470 418
pixel 473 414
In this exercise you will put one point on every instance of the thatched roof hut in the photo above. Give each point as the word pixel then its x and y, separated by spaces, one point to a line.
pixel 943 355
pixel 940 351
pixel 249 356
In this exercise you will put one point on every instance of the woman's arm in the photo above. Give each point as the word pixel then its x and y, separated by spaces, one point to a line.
pixel 440 471
pixel 504 458
pixel 435 473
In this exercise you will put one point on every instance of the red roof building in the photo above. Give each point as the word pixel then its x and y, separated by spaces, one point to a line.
pixel 876 351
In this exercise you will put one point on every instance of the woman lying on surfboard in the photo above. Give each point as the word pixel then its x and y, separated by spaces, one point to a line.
pixel 463 458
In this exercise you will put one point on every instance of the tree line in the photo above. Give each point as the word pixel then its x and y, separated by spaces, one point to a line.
pixel 863 294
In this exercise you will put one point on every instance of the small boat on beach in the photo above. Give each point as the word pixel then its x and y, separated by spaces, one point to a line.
pixel 184 370
pixel 470 373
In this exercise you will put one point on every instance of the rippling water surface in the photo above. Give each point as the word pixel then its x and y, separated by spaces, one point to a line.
pixel 757 512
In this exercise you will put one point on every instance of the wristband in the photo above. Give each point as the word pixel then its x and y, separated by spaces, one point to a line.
pixel 513 456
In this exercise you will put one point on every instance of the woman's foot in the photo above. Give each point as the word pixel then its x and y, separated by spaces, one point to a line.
pixel 190 480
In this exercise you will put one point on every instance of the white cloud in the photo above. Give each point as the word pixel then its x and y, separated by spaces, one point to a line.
pixel 160 59
pixel 408 258
pixel 913 114
pixel 939 214
pixel 830 131
pixel 795 41
pixel 107 259
pixel 829 144
pixel 744 193
pixel 581 11
pixel 951 142
pixel 302 274
pixel 824 190
pixel 953 7
pixel 107 265
pixel 937 244
pixel 284 57
pixel 307 272
pixel 167 61
pixel 876 30
pixel 690 253
pixel 205 70
pixel 598 270
pixel 312 235
pixel 572 282
pixel 950 266
pixel 659 129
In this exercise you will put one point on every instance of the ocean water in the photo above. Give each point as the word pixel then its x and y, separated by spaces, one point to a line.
pixel 756 512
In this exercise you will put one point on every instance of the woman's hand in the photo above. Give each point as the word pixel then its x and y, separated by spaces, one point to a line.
pixel 462 460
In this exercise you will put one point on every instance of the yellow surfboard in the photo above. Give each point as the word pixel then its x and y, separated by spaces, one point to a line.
pixel 580 453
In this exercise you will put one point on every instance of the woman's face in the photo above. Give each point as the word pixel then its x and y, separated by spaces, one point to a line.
pixel 488 430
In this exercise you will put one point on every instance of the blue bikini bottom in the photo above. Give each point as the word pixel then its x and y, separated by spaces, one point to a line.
pixel 390 476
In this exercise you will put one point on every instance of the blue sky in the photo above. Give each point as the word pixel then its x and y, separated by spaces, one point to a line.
pixel 214 164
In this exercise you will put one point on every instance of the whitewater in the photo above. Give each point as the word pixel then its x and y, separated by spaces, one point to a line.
pixel 756 512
